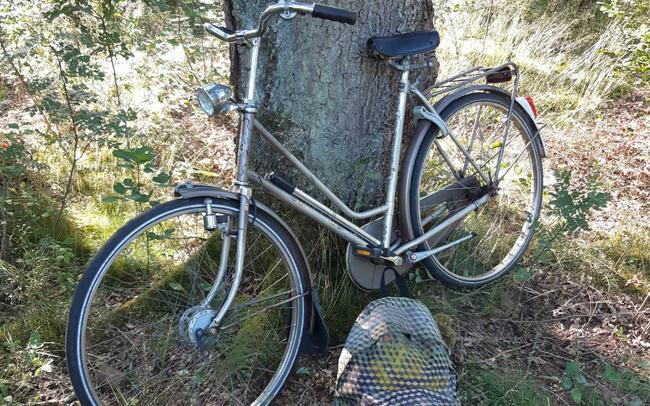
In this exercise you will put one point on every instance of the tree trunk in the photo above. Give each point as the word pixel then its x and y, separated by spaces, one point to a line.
pixel 320 94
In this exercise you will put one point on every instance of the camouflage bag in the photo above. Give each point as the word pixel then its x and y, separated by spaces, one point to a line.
pixel 395 355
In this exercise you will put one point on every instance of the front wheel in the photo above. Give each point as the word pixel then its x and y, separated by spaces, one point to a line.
pixel 132 335
pixel 489 241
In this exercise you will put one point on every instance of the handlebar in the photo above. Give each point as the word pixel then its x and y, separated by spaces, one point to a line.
pixel 283 7
pixel 334 14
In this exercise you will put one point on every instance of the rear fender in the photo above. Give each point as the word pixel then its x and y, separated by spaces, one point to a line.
pixel 317 337
pixel 423 126
pixel 447 100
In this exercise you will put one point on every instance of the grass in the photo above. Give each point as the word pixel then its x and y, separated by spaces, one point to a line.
pixel 629 251
pixel 558 47
pixel 481 386
pixel 558 52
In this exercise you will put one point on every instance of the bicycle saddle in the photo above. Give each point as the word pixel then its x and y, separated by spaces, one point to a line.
pixel 401 45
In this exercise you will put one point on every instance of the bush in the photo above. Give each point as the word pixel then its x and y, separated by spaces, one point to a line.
pixel 632 19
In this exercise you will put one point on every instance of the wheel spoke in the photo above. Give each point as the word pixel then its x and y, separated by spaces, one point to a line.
pixel 504 225
pixel 132 347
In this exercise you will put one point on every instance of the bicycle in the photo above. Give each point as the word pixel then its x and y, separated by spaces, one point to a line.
pixel 208 298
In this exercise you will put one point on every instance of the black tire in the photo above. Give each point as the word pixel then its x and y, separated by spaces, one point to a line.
pixel 299 311
pixel 525 127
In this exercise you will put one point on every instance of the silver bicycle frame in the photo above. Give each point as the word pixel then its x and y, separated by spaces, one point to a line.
pixel 324 215
pixel 311 207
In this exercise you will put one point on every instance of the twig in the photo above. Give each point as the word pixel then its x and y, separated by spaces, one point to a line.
pixel 111 56
pixel 570 316
pixel 23 81
pixel 75 132
pixel 3 221
pixel 502 353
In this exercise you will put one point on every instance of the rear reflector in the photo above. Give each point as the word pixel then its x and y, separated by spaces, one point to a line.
pixel 531 103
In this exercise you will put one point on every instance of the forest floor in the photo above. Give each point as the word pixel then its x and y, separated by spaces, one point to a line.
pixel 571 333
pixel 577 332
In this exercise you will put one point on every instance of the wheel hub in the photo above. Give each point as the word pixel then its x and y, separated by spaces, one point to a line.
pixel 193 325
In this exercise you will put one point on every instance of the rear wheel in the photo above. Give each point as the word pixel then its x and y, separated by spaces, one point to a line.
pixel 498 233
pixel 134 333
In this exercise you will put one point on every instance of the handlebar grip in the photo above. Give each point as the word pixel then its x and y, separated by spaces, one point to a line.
pixel 334 14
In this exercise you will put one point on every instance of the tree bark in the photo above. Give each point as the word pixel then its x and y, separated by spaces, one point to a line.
pixel 318 92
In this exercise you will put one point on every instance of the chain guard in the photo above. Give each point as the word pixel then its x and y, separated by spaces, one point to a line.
pixel 365 273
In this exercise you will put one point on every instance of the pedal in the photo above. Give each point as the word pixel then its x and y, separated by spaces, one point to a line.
pixel 367 252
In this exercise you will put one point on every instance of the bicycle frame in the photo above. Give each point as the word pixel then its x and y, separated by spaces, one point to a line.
pixel 324 215
pixel 314 209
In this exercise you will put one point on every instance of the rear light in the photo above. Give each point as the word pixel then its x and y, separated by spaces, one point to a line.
pixel 531 103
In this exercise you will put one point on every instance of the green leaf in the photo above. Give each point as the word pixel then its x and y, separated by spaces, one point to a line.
pixel 35 340
pixel 303 371
pixel 128 182
pixel 119 188
pixel 566 382
pixel 168 233
pixel 581 380
pixel 572 369
pixel 522 274
pixel 611 374
pixel 175 285
pixel 139 197
pixel 4 391
pixel 123 154
pixel 162 178
pixel 13 126
pixel 110 199
pixel 142 155
pixel 576 395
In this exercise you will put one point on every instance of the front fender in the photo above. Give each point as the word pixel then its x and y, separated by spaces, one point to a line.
pixel 317 339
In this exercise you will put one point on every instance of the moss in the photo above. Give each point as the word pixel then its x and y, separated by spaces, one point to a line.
pixel 446 326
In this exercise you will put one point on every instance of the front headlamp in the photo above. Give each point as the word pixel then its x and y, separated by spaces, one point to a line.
pixel 214 98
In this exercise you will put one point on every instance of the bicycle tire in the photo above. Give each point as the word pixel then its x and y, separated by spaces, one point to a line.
pixel 82 303
pixel 522 122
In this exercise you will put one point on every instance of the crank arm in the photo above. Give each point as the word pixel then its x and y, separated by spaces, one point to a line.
pixel 415 257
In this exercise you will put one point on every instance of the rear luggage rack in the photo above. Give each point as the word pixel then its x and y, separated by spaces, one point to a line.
pixel 498 74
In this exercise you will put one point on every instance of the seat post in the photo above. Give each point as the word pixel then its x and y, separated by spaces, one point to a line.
pixel 394 163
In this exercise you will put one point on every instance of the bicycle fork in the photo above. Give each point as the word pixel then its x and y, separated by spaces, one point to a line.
pixel 245 193
pixel 242 187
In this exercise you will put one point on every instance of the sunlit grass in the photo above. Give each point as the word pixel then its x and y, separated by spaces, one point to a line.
pixel 560 55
